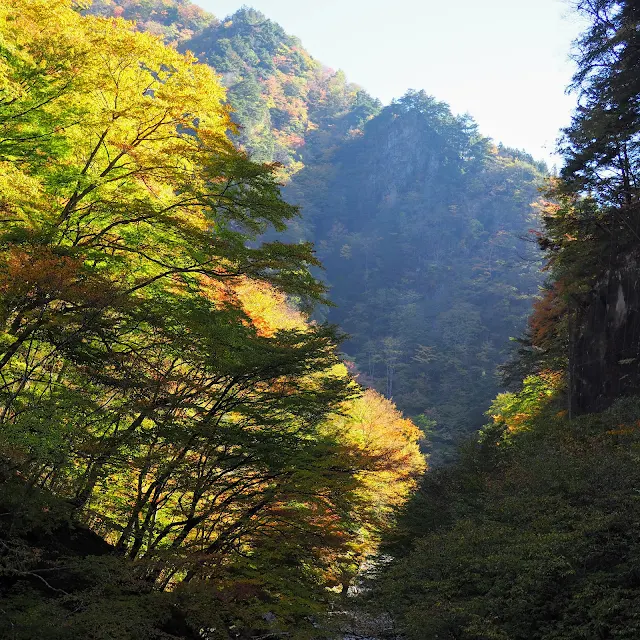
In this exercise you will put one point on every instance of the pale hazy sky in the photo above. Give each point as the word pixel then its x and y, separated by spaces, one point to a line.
pixel 506 62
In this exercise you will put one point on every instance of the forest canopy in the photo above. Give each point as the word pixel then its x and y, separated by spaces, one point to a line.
pixel 168 414
pixel 420 221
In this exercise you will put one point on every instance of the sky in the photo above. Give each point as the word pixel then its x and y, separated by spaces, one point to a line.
pixel 505 62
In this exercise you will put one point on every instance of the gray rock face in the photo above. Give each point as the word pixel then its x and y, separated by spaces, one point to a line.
pixel 605 341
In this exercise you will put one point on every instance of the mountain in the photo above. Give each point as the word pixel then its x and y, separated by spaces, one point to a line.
pixel 419 222
pixel 418 219
pixel 290 106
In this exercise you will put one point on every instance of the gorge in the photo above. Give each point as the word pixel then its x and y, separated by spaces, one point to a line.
pixel 241 299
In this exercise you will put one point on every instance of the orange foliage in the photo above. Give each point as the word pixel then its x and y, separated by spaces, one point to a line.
pixel 266 308
pixel 625 430
pixel 389 442
pixel 47 276
pixel 547 315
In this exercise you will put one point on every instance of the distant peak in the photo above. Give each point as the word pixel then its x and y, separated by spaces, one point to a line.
pixel 249 15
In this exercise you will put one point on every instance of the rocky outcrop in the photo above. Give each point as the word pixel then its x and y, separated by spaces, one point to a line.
pixel 605 342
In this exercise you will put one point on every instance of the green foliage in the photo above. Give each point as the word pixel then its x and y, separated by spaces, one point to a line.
pixel 532 540
pixel 519 411
pixel 421 212
pixel 289 107
pixel 601 145
pixel 590 224
pixel 533 533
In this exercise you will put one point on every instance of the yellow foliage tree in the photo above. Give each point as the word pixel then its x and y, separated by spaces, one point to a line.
pixel 152 373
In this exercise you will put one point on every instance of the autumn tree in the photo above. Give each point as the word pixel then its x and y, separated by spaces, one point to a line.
pixel 155 377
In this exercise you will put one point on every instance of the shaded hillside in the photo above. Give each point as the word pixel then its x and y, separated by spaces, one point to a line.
pixel 419 223
pixel 533 534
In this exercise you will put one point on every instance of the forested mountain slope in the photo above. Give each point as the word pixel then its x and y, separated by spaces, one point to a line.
pixel 418 219
pixel 291 108
pixel 421 223
pixel 173 20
